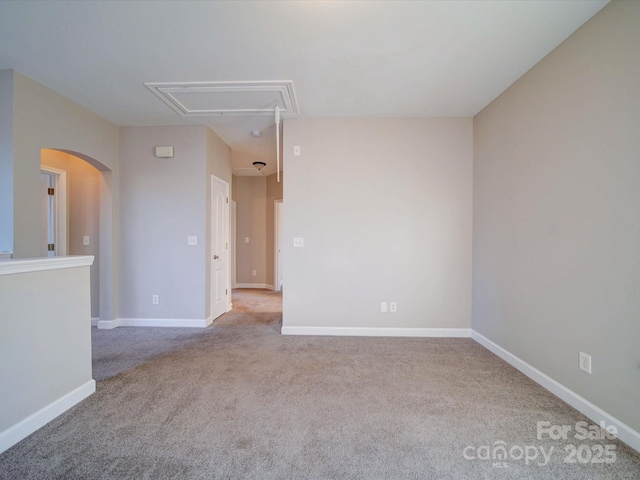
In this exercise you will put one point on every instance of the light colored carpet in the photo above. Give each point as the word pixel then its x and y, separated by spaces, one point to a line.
pixel 240 401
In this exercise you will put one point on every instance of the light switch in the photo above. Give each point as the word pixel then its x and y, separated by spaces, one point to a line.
pixel 296 151
pixel 298 242
pixel 192 240
pixel 86 240
pixel 246 239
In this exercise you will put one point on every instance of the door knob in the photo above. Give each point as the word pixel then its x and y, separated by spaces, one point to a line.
pixel 216 257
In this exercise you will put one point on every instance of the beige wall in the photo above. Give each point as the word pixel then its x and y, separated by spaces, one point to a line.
pixel 164 200
pixel 44 119
pixel 556 207
pixel 250 194
pixel 384 207
pixel 83 212
pixel 6 160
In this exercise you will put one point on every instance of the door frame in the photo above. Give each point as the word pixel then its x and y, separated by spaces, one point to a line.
pixel 232 243
pixel 225 252
pixel 277 216
pixel 59 208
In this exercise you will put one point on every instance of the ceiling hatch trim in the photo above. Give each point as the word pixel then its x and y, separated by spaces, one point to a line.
pixel 197 99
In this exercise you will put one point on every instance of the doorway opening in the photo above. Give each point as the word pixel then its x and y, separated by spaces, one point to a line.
pixel 254 307
pixel 77 217
pixel 256 250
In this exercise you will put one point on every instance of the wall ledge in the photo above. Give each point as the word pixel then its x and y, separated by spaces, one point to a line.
pixel 25 265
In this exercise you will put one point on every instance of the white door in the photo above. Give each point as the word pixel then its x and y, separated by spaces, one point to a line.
pixel 53 195
pixel 47 215
pixel 219 247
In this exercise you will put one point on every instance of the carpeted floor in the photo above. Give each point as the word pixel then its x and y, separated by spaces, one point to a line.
pixel 240 401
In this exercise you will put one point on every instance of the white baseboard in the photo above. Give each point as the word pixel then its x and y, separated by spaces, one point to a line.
pixel 377 332
pixel 108 324
pixel 94 321
pixel 163 322
pixel 33 422
pixel 155 322
pixel 625 433
pixel 255 285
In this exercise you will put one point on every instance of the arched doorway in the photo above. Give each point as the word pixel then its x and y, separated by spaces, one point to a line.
pixel 82 228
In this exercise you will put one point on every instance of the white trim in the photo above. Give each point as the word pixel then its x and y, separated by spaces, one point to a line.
pixel 94 321
pixel 163 322
pixel 167 91
pixel 33 422
pixel 276 221
pixel 232 242
pixel 108 324
pixel 593 412
pixel 377 332
pixel 25 265
pixel 155 322
pixel 255 285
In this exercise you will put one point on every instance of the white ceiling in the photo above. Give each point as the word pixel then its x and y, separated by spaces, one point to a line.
pixel 345 58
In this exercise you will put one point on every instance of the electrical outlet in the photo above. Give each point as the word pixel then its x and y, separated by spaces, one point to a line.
pixel 393 307
pixel 383 307
pixel 155 299
pixel 254 273
pixel 585 362
pixel 192 240
pixel 86 240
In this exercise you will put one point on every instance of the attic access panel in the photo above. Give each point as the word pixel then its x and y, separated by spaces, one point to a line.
pixel 193 99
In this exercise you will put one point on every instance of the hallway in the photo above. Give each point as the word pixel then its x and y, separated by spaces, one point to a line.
pixel 252 306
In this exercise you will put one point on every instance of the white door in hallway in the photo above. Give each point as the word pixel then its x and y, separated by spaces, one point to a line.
pixel 47 228
pixel 53 219
pixel 219 247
